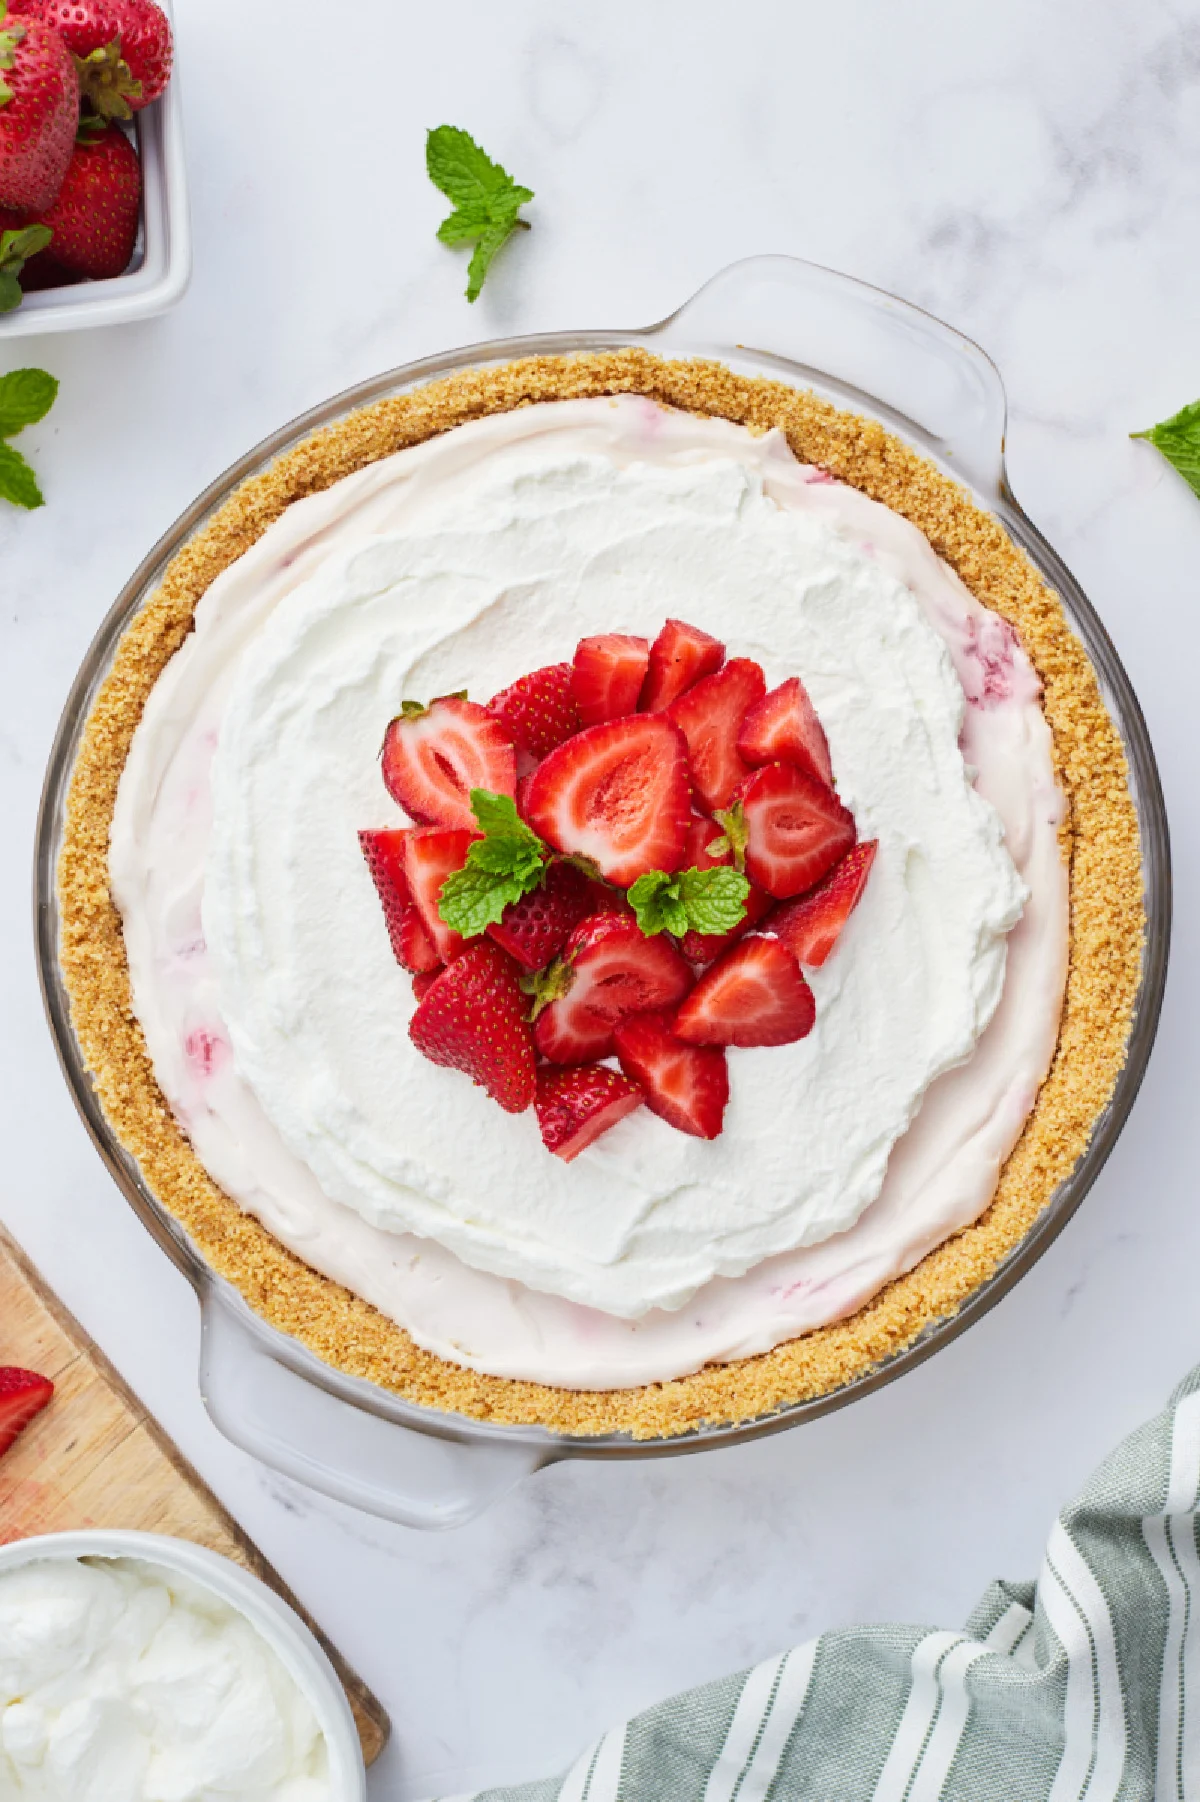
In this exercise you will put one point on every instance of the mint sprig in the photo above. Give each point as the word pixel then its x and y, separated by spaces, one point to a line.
pixel 1178 438
pixel 707 901
pixel 16 248
pixel 26 395
pixel 506 863
pixel 486 199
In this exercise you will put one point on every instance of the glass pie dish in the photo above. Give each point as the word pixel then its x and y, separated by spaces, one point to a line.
pixel 774 317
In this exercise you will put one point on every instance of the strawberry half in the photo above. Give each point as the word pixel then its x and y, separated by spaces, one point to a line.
pixel 431 853
pixel 685 1085
pixel 679 656
pixel 535 928
pixel 811 925
pixel 537 712
pixel 473 1019
pixel 754 995
pixel 411 943
pixel 575 1106
pixel 434 756
pixel 783 728
pixel 608 969
pixel 710 716
pixel 796 829
pixel 617 793
pixel 424 981
pixel 23 1394
pixel 608 676
pixel 706 947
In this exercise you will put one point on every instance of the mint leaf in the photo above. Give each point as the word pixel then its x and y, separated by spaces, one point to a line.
pixel 487 201
pixel 1178 438
pixel 498 813
pixel 16 248
pixel 18 483
pixel 656 903
pixel 506 863
pixel 471 899
pixel 715 900
pixel 26 395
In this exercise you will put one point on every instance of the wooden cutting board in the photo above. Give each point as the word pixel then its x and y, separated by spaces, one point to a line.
pixel 95 1458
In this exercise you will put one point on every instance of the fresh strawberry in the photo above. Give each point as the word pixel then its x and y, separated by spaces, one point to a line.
pixel 796 829
pixel 617 793
pixel 384 852
pixel 783 728
pixel 754 995
pixel 679 656
pixel 686 1085
pixel 706 947
pixel 608 675
pixel 575 1106
pixel 710 715
pixel 473 1019
pixel 124 47
pixel 95 215
pixel 424 980
pixel 535 928
pixel 39 111
pixel 23 1393
pixel 810 925
pixel 431 853
pixel 537 712
pixel 434 756
pixel 607 970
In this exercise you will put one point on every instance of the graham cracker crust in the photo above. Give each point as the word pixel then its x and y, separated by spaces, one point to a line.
pixel 1100 842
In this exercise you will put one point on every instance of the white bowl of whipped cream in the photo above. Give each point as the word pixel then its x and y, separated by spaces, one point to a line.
pixel 135 1666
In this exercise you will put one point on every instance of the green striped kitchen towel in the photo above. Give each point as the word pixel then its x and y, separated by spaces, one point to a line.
pixel 1081 1687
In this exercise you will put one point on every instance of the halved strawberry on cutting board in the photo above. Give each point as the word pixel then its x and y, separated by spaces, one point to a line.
pixel 434 756
pixel 608 676
pixel 575 1106
pixel 431 853
pixel 537 712
pixel 535 928
pixel 23 1394
pixel 796 829
pixel 608 969
pixel 811 925
pixel 754 995
pixel 783 728
pixel 616 793
pixel 710 716
pixel 412 945
pixel 685 1085
pixel 679 656
pixel 472 1018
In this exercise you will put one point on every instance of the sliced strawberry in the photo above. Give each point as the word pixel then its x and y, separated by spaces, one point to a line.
pixel 796 828
pixel 679 656
pixel 810 925
pixel 783 728
pixel 618 793
pixel 685 1085
pixel 710 716
pixel 535 928
pixel 537 712
pixel 411 943
pixel 608 969
pixel 575 1106
pixel 23 1393
pixel 434 756
pixel 431 853
pixel 754 995
pixel 473 1019
pixel 424 981
pixel 609 672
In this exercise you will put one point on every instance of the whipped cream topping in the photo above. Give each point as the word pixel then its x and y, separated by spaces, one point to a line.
pixel 285 1054
pixel 121 1681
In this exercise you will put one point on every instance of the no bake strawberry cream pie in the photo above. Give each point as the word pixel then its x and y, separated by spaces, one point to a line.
pixel 602 892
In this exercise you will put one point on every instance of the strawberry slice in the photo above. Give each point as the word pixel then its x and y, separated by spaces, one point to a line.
pixel 609 672
pixel 431 853
pixel 23 1394
pixel 706 947
pixel 810 925
pixel 537 712
pixel 618 793
pixel 783 728
pixel 434 756
pixel 710 716
pixel 796 829
pixel 535 928
pixel 473 1019
pixel 424 981
pixel 679 656
pixel 411 944
pixel 608 969
pixel 575 1106
pixel 754 995
pixel 685 1085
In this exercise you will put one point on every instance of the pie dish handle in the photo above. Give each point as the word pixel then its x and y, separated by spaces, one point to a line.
pixel 862 347
pixel 259 1394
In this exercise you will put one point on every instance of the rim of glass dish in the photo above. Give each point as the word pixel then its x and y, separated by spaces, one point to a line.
pixel 1156 867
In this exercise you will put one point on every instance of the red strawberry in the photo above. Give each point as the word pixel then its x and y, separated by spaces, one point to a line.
pixel 473 1019
pixel 537 712
pixel 608 969
pixel 705 947
pixel 95 215
pixel 783 728
pixel 618 793
pixel 754 995
pixel 796 829
pixel 609 672
pixel 685 1085
pixel 431 853
pixel 679 656
pixel 384 852
pixel 810 925
pixel 535 928
pixel 434 756
pixel 39 111
pixel 710 715
pixel 23 1393
pixel 575 1106
pixel 125 45
pixel 424 980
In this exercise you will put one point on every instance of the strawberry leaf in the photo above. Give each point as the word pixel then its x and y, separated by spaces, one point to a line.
pixel 1178 438
pixel 732 820
pixel 545 986
pixel 18 483
pixel 16 248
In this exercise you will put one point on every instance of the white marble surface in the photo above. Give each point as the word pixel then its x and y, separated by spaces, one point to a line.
pixel 1027 171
